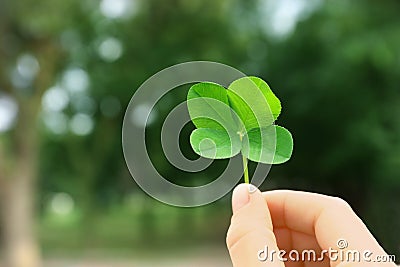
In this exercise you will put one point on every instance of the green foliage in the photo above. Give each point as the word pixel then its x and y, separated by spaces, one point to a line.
pixel 238 119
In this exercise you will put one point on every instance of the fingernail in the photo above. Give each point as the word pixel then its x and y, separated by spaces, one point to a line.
pixel 240 197
pixel 252 189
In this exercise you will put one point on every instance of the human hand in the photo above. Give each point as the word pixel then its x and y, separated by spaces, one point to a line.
pixel 298 221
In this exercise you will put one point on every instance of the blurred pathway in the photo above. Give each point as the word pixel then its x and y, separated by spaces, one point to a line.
pixel 206 257
pixel 132 263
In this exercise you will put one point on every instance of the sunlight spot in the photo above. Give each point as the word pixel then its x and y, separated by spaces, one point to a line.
pixel 283 16
pixel 117 8
pixel 18 81
pixel 143 116
pixel 62 204
pixel 81 124
pixel 76 80
pixel 55 99
pixel 110 49
pixel 27 66
pixel 55 122
pixel 8 112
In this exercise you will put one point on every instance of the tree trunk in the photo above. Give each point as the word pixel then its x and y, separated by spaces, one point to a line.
pixel 20 246
pixel 18 171
pixel 19 152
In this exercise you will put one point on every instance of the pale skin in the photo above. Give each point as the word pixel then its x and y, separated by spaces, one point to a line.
pixel 293 220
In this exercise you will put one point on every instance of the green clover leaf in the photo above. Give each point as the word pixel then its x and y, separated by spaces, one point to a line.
pixel 238 119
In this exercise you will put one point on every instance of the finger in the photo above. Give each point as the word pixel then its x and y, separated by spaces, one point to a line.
pixel 251 230
pixel 330 219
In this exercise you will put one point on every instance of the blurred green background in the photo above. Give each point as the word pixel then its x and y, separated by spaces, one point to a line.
pixel 69 68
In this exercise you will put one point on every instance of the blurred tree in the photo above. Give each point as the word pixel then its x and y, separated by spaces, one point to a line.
pixel 28 63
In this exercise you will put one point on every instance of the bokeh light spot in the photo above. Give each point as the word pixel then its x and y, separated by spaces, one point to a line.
pixel 8 112
pixel 76 80
pixel 110 49
pixel 81 124
pixel 62 204
pixel 55 99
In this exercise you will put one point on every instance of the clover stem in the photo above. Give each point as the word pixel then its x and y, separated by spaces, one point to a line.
pixel 245 169
pixel 244 159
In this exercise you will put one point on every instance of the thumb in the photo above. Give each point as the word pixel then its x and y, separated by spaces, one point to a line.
pixel 251 230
